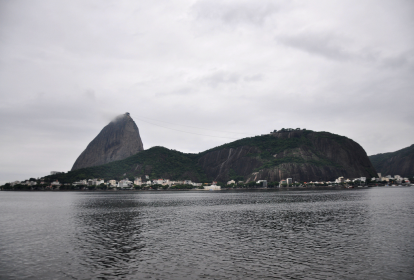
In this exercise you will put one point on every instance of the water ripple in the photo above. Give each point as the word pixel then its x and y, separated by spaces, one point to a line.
pixel 355 234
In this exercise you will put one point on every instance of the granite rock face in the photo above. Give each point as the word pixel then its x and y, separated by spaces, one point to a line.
pixel 118 140
pixel 301 155
pixel 400 162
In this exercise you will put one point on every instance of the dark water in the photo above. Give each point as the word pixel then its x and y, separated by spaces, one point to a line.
pixel 352 234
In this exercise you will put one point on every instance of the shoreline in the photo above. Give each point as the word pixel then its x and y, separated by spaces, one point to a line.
pixel 222 190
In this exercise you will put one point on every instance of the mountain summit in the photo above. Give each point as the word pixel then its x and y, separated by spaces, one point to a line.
pixel 118 140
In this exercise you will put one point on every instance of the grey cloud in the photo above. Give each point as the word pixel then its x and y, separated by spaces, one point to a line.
pixel 182 91
pixel 323 44
pixel 253 78
pixel 220 77
pixel 235 12
pixel 90 94
pixel 334 47
pixel 405 59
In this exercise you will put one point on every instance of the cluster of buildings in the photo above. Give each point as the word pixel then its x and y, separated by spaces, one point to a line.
pixel 166 183
pixel 340 180
pixel 26 183
pixel 397 178
pixel 127 184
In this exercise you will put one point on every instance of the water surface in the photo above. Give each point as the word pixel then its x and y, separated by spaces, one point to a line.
pixel 349 234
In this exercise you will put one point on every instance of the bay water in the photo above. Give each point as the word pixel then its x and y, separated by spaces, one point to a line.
pixel 338 234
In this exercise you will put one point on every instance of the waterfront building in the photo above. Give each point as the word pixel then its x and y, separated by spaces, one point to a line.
pixel 124 183
pixel 80 182
pixel 55 184
pixel 212 188
pixel 231 182
pixel 99 181
pixel 263 182
pixel 340 180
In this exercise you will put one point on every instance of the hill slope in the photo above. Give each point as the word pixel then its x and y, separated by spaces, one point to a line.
pixel 400 162
pixel 301 155
pixel 157 162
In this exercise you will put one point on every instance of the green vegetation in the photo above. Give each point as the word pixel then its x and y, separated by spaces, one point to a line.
pixel 267 144
pixel 379 160
pixel 157 162
pixel 300 160
pixel 182 187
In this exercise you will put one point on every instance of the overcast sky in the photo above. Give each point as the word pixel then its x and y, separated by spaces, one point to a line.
pixel 218 68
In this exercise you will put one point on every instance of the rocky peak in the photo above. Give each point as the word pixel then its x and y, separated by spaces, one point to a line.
pixel 117 140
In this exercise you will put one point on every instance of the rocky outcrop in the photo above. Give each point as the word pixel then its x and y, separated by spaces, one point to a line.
pixel 118 140
pixel 400 162
pixel 301 155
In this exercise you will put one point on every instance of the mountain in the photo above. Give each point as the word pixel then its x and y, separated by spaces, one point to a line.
pixel 400 162
pixel 116 141
pixel 303 155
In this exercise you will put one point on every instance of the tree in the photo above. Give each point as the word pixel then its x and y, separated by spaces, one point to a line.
pixel 251 184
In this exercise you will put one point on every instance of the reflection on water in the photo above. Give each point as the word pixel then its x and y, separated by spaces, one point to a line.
pixel 353 234
pixel 111 234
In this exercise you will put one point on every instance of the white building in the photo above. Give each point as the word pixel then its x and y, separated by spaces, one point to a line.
pixel 124 183
pixel 340 180
pixel 212 188
pixel 157 181
pixel 289 181
pixel 99 181
pixel 80 182
pixel 264 182
pixel 231 182
pixel 55 184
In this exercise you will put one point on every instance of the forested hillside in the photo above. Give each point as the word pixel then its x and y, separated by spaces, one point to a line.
pixel 400 162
